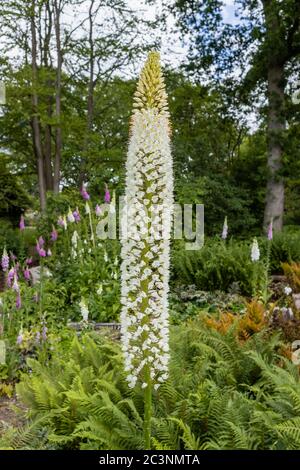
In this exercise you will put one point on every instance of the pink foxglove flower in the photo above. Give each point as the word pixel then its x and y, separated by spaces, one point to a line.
pixel 84 193
pixel 76 215
pixel 40 250
pixel 53 235
pixel 28 261
pixel 41 241
pixel 5 260
pixel 42 253
pixel 10 277
pixel 225 229
pixel 98 210
pixel 107 195
pixel 270 230
pixel 22 223
pixel 18 300
pixel 15 284
pixel 27 274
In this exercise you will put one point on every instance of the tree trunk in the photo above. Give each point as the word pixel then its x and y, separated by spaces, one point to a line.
pixel 275 61
pixel 47 152
pixel 49 85
pixel 274 207
pixel 90 98
pixel 36 134
pixel 58 133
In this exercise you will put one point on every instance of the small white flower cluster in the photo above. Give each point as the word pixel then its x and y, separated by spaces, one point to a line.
pixel 145 249
pixel 287 290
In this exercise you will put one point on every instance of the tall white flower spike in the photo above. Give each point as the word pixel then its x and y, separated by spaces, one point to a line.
pixel 255 252
pixel 146 246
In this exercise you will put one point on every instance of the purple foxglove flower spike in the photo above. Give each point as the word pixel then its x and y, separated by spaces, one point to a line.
pixel 107 195
pixel 41 242
pixel 10 276
pixel 15 285
pixel 5 260
pixel 54 234
pixel 22 223
pixel 84 193
pixel 76 215
pixel 28 261
pixel 41 252
pixel 27 274
pixel 98 210
pixel 18 301
pixel 270 230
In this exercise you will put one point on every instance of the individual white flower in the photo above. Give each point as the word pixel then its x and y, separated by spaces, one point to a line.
pixel 255 252
pixel 288 290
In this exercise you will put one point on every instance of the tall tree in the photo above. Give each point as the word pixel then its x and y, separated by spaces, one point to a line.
pixel 263 45
pixel 57 8
pixel 36 132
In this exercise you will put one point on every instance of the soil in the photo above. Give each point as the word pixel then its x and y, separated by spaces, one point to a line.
pixel 8 416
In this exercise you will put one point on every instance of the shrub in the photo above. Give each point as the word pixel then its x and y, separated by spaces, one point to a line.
pixel 220 266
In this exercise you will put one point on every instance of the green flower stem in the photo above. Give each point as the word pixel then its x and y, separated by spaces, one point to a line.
pixel 41 289
pixel 267 269
pixel 255 278
pixel 148 409
pixel 92 228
